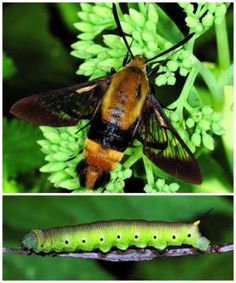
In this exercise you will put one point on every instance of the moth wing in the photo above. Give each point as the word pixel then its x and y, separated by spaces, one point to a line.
pixel 62 107
pixel 164 146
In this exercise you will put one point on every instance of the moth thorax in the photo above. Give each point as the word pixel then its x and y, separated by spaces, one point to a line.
pixel 138 62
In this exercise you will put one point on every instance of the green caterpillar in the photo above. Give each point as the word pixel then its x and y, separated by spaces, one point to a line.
pixel 118 233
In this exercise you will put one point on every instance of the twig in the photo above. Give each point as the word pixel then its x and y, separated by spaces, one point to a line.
pixel 130 254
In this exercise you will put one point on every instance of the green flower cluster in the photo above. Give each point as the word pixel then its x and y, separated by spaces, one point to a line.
pixel 202 17
pixel 182 61
pixel 204 124
pixel 161 186
pixel 118 175
pixel 62 148
pixel 141 26
pixel 201 125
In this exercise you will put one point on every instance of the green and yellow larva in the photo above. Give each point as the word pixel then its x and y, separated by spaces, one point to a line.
pixel 120 234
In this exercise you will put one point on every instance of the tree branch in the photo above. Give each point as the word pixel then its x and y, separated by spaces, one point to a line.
pixel 130 254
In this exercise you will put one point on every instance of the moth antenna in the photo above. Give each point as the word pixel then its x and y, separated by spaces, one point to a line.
pixel 85 126
pixel 115 14
pixel 177 45
pixel 159 63
pixel 197 222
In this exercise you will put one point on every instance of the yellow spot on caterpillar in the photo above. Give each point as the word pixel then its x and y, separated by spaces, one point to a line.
pixel 38 235
pixel 85 89
pixel 197 222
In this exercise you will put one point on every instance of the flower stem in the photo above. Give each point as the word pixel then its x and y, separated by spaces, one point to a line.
pixel 222 45
pixel 180 102
pixel 149 171
pixel 137 154
pixel 217 98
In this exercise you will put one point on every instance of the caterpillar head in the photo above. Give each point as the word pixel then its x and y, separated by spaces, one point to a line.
pixel 31 240
pixel 194 237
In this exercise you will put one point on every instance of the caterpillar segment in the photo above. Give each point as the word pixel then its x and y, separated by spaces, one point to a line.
pixel 111 130
pixel 120 234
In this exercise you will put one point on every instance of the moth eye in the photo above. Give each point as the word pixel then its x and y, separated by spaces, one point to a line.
pixel 189 235
pixel 83 241
pixel 66 242
pixel 136 236
pixel 101 239
pixel 173 237
pixel 155 237
pixel 118 236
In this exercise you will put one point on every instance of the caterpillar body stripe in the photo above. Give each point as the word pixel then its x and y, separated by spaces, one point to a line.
pixel 120 234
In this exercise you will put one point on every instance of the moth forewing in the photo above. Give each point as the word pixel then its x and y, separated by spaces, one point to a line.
pixel 62 107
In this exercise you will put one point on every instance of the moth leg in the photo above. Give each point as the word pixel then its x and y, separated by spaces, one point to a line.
pixel 137 126
pixel 126 59
pixel 93 116
pixel 112 71
pixel 142 250
pixel 85 126
pixel 161 250
pixel 163 106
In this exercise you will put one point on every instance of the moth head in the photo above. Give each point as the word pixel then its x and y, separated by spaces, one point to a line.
pixel 138 62
pixel 31 240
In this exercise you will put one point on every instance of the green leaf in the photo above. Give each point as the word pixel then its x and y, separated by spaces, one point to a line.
pixel 21 154
pixel 68 12
pixel 174 34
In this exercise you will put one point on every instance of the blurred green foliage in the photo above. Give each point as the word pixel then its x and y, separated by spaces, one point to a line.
pixel 9 68
pixel 39 45
pixel 42 212
pixel 21 158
